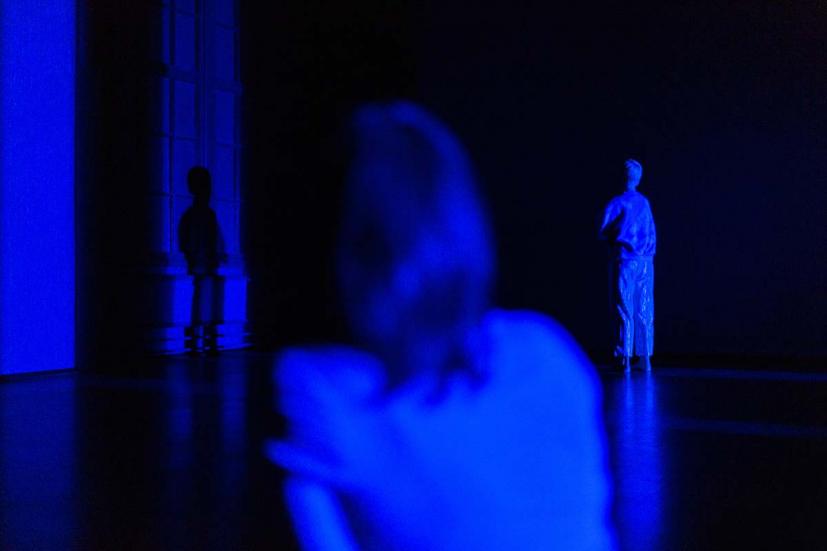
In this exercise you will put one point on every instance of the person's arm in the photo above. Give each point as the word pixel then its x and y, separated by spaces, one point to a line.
pixel 318 393
pixel 315 512
pixel 610 216
pixel 217 239
pixel 184 234
pixel 317 516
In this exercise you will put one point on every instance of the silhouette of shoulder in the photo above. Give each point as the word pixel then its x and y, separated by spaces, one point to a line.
pixel 532 345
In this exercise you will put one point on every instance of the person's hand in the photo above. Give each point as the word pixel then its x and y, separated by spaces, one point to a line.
pixel 324 396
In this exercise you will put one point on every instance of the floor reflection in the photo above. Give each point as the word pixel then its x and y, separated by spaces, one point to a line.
pixel 171 458
pixel 638 461
pixel 38 430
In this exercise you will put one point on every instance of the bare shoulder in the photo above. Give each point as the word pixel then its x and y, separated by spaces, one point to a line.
pixel 535 328
pixel 532 343
pixel 615 202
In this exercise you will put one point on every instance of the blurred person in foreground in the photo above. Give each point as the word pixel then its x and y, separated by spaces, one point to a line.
pixel 447 424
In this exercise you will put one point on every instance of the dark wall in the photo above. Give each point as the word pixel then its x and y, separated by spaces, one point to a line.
pixel 116 46
pixel 724 105
pixel 304 67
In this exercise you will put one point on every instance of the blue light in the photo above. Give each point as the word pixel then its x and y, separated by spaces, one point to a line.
pixel 37 165
pixel 640 465
pixel 449 424
pixel 38 463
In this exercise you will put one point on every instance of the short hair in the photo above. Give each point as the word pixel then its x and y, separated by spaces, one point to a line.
pixel 414 257
pixel 635 166
pixel 199 180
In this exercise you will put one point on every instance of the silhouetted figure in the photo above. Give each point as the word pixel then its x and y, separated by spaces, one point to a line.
pixel 199 238
pixel 629 228
pixel 449 425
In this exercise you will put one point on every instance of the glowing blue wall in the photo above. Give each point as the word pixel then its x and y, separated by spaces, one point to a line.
pixel 37 165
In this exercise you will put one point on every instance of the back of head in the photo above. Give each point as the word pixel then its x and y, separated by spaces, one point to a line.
pixel 415 261
pixel 199 182
pixel 634 171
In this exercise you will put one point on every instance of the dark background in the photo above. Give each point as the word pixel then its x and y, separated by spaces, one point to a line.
pixel 723 103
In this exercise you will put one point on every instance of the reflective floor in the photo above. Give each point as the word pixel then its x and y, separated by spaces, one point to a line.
pixel 170 458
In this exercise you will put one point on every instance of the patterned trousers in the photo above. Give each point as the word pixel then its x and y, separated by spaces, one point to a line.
pixel 633 282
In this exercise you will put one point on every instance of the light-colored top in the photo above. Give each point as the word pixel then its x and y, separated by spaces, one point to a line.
pixel 517 462
pixel 629 226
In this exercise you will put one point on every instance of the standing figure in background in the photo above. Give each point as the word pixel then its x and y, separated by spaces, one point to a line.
pixel 629 228
pixel 446 424
pixel 199 238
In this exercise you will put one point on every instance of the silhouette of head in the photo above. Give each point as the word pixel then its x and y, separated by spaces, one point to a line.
pixel 199 183
pixel 415 261
pixel 634 171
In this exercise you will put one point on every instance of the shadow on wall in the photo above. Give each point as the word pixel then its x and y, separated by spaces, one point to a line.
pixel 140 99
pixel 201 241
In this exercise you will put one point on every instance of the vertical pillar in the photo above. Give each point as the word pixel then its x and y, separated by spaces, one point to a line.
pixel 222 149
pixel 37 176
